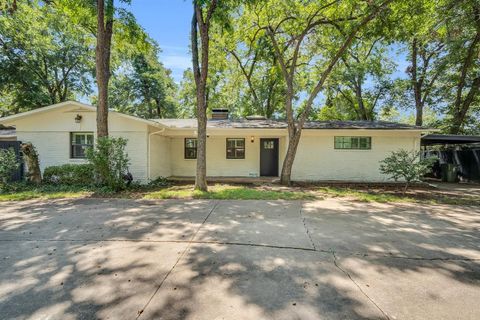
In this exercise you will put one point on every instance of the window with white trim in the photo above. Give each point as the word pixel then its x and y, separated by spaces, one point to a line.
pixel 235 148
pixel 353 143
pixel 190 148
pixel 79 142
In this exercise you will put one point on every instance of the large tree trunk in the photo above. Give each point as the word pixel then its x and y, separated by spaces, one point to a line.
pixel 200 73
pixel 30 155
pixel 102 60
pixel 201 175
pixel 361 105
pixel 417 86
pixel 462 103
pixel 158 106
pixel 293 140
pixel 461 110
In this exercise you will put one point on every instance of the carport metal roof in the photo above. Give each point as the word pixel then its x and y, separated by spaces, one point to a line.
pixel 442 139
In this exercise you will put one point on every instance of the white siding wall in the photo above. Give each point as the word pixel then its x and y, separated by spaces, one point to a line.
pixel 137 152
pixel 159 156
pixel 54 149
pixel 50 131
pixel 317 159
pixel 217 162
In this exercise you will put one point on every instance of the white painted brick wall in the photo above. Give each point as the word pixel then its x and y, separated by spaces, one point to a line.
pixel 54 149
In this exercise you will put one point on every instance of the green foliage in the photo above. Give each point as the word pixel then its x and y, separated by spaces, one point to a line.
pixel 406 165
pixel 243 73
pixel 144 87
pixel 187 96
pixel 44 58
pixel 110 162
pixel 69 174
pixel 47 54
pixel 360 82
pixel 329 112
pixel 8 164
pixel 393 114
pixel 461 79
pixel 159 182
pixel 249 69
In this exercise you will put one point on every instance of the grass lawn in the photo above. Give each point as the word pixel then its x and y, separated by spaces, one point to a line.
pixel 430 196
pixel 25 192
pixel 26 195
pixel 243 192
pixel 233 192
pixel 365 196
pixel 217 191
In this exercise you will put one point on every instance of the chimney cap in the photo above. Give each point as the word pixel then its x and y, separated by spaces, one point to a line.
pixel 255 117
pixel 220 114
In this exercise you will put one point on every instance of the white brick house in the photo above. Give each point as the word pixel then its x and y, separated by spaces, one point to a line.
pixel 328 150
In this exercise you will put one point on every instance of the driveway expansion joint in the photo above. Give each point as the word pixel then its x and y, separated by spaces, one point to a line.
pixel 189 243
pixel 259 245
pixel 357 285
pixel 305 226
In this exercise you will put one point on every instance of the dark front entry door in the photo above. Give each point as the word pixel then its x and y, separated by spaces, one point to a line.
pixel 269 157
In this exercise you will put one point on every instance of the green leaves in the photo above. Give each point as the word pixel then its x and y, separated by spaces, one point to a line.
pixel 110 162
pixel 406 165
pixel 8 164
pixel 144 87
pixel 360 82
pixel 43 57
pixel 69 174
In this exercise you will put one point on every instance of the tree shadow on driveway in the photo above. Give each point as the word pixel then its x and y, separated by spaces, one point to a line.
pixel 330 259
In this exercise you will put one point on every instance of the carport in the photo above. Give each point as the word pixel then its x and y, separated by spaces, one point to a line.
pixel 459 156
pixel 449 140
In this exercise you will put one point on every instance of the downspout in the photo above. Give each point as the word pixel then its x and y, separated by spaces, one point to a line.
pixel 149 150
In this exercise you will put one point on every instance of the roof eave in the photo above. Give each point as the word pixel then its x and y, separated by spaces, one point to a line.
pixel 78 104
pixel 45 109
pixel 284 128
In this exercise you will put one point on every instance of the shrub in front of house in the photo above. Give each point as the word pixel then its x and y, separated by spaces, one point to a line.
pixel 8 164
pixel 69 174
pixel 159 182
pixel 110 162
pixel 407 166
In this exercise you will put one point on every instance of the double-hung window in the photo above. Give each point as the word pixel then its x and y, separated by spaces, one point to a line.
pixel 235 148
pixel 190 148
pixel 353 143
pixel 79 142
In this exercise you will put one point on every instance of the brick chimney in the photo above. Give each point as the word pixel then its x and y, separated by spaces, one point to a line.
pixel 219 114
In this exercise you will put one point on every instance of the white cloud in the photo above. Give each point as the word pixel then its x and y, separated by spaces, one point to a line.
pixel 177 61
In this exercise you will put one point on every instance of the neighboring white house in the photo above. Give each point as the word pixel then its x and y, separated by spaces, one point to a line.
pixel 328 150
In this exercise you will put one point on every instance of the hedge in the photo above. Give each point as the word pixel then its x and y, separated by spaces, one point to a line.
pixel 73 174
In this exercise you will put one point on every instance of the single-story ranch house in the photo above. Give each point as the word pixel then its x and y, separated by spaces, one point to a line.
pixel 328 150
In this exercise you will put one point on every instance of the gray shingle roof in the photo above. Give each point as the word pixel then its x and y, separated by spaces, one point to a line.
pixel 277 124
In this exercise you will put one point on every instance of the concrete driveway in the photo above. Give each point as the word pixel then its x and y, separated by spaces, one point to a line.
pixel 329 259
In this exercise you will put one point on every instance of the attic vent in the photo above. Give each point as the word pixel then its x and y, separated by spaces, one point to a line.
pixel 255 117
pixel 219 114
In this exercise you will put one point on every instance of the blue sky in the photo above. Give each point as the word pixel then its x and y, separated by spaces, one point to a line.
pixel 168 22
